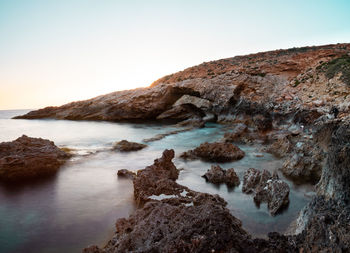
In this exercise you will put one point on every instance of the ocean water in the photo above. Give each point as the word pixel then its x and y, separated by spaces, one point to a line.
pixel 79 206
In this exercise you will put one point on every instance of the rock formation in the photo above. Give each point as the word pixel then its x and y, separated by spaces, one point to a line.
pixel 127 146
pixel 215 152
pixel 217 175
pixel 29 158
pixel 266 188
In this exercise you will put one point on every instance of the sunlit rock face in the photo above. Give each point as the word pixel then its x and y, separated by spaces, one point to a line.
pixel 309 81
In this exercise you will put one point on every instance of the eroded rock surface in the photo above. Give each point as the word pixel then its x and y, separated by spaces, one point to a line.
pixel 217 175
pixel 127 146
pixel 29 158
pixel 266 188
pixel 215 152
pixel 126 174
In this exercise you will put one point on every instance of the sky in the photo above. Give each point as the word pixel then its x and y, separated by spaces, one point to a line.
pixel 54 52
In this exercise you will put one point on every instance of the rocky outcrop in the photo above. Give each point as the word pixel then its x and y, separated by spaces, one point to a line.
pixel 303 83
pixel 266 188
pixel 215 152
pixel 126 174
pixel 217 175
pixel 323 225
pixel 182 221
pixel 29 158
pixel 127 146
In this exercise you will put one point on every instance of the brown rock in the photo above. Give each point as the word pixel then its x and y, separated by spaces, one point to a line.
pixel 217 175
pixel 126 146
pixel 215 152
pixel 126 174
pixel 29 158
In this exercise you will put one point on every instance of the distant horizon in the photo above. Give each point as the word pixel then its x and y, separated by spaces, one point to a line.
pixel 58 52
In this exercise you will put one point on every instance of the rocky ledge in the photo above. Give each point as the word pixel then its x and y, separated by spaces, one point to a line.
pixel 215 152
pixel 29 158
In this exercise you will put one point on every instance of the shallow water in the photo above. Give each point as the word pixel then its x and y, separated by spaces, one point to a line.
pixel 79 206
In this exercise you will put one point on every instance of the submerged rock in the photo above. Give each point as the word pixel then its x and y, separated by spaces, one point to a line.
pixel 29 158
pixel 215 152
pixel 127 146
pixel 217 175
pixel 266 188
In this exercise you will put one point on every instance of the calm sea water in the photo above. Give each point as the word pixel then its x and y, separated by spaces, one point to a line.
pixel 79 206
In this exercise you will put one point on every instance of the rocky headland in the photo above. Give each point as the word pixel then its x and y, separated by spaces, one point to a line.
pixel 292 103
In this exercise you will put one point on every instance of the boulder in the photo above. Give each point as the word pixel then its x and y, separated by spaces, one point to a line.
pixel 215 152
pixel 217 175
pixel 126 146
pixel 266 188
pixel 29 158
pixel 126 174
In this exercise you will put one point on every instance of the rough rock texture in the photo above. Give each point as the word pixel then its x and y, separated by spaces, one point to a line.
pixel 126 174
pixel 157 179
pixel 29 158
pixel 266 188
pixel 237 132
pixel 325 222
pixel 217 175
pixel 127 146
pixel 215 152
pixel 185 221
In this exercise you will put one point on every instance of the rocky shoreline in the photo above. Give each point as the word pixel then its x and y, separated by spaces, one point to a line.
pixel 294 103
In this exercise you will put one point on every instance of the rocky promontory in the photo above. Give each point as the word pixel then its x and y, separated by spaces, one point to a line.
pixel 29 158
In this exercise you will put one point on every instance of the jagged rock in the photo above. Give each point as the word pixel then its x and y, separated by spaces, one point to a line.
pixel 157 179
pixel 127 146
pixel 215 152
pixel 29 158
pixel 266 188
pixel 263 123
pixel 217 175
pixel 126 174
pixel 191 222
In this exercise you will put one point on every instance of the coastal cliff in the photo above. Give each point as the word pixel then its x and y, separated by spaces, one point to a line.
pixel 308 79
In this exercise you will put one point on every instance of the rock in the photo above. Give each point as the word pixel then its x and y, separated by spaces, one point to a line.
pixel 126 174
pixel 217 175
pixel 29 158
pixel 215 152
pixel 182 112
pixel 266 188
pixel 263 123
pixel 281 147
pixel 200 103
pixel 190 222
pixel 126 146
pixel 235 135
pixel 157 179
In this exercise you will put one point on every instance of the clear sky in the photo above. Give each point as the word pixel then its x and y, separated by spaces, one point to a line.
pixel 53 52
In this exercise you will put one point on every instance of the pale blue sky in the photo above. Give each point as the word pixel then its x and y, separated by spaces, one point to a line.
pixel 53 52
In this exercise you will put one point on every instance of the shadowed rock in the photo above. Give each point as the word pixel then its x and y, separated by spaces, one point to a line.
pixel 217 175
pixel 126 174
pixel 127 146
pixel 29 158
pixel 266 188
pixel 215 152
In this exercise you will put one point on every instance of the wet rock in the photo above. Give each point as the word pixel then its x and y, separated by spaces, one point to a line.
pixel 157 179
pixel 263 123
pixel 29 158
pixel 126 174
pixel 217 175
pixel 235 135
pixel 215 152
pixel 281 147
pixel 127 146
pixel 266 188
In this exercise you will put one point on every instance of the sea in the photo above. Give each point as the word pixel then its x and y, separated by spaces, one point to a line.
pixel 80 205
